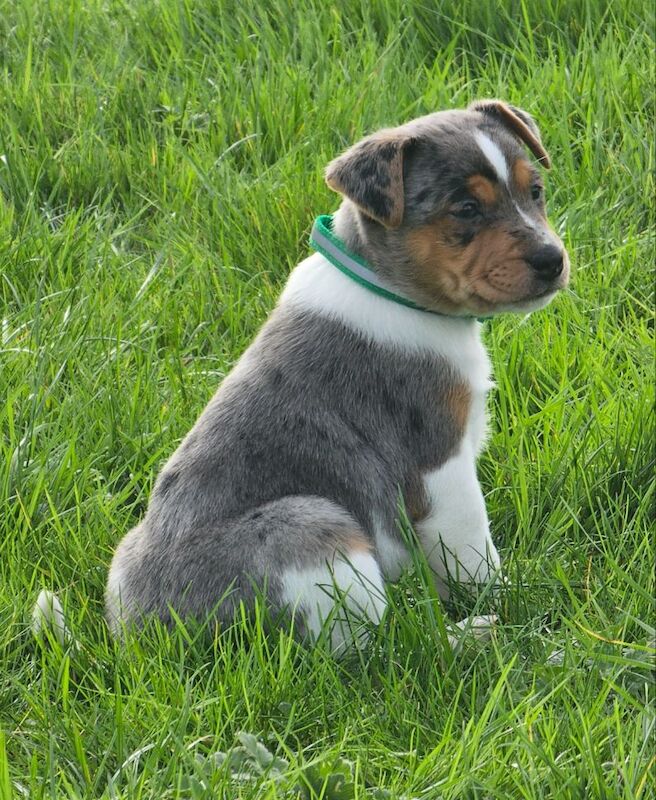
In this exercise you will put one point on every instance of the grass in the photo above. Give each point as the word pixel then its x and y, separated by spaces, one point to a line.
pixel 160 167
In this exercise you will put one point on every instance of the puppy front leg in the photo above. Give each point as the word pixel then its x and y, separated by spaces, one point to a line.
pixel 456 534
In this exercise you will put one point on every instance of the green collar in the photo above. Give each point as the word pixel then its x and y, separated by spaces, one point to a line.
pixel 331 247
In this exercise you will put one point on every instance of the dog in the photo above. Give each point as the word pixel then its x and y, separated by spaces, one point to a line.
pixel 366 385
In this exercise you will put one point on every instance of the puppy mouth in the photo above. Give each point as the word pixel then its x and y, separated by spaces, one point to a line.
pixel 537 300
pixel 536 288
pixel 509 299
pixel 550 290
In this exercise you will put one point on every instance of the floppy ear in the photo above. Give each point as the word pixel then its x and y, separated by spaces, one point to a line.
pixel 520 122
pixel 371 175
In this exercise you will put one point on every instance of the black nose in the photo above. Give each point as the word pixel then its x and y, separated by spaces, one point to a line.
pixel 547 261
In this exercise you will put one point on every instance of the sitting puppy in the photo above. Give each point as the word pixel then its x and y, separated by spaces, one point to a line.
pixel 366 384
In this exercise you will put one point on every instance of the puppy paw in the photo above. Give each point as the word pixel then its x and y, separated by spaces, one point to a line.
pixel 480 628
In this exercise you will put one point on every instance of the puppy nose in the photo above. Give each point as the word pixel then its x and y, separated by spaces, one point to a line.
pixel 547 261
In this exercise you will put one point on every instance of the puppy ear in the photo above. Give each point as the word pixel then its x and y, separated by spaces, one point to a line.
pixel 520 122
pixel 371 175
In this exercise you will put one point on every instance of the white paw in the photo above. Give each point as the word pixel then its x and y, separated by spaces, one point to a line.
pixel 480 628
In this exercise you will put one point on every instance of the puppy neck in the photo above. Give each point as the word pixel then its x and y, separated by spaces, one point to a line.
pixel 371 241
pixel 316 287
pixel 387 251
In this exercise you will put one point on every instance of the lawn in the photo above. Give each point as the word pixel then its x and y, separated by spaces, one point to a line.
pixel 160 167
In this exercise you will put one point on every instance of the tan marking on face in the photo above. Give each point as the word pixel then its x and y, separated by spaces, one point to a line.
pixel 522 174
pixel 483 189
pixel 488 272
pixel 438 266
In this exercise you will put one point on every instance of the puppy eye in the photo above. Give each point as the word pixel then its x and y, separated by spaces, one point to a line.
pixel 536 191
pixel 467 210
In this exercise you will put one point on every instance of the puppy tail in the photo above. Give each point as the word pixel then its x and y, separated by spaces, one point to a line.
pixel 48 617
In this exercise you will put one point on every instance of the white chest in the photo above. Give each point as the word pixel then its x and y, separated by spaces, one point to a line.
pixel 477 424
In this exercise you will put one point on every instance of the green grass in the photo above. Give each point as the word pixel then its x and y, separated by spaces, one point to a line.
pixel 161 166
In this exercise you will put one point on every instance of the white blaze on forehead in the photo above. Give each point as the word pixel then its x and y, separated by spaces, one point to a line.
pixel 493 153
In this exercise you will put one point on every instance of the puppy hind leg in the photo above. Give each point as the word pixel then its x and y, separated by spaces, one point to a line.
pixel 320 568
pixel 338 597
pixel 303 554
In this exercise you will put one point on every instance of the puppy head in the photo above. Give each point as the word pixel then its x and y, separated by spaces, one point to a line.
pixel 453 209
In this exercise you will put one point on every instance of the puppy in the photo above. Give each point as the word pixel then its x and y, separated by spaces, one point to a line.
pixel 366 384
